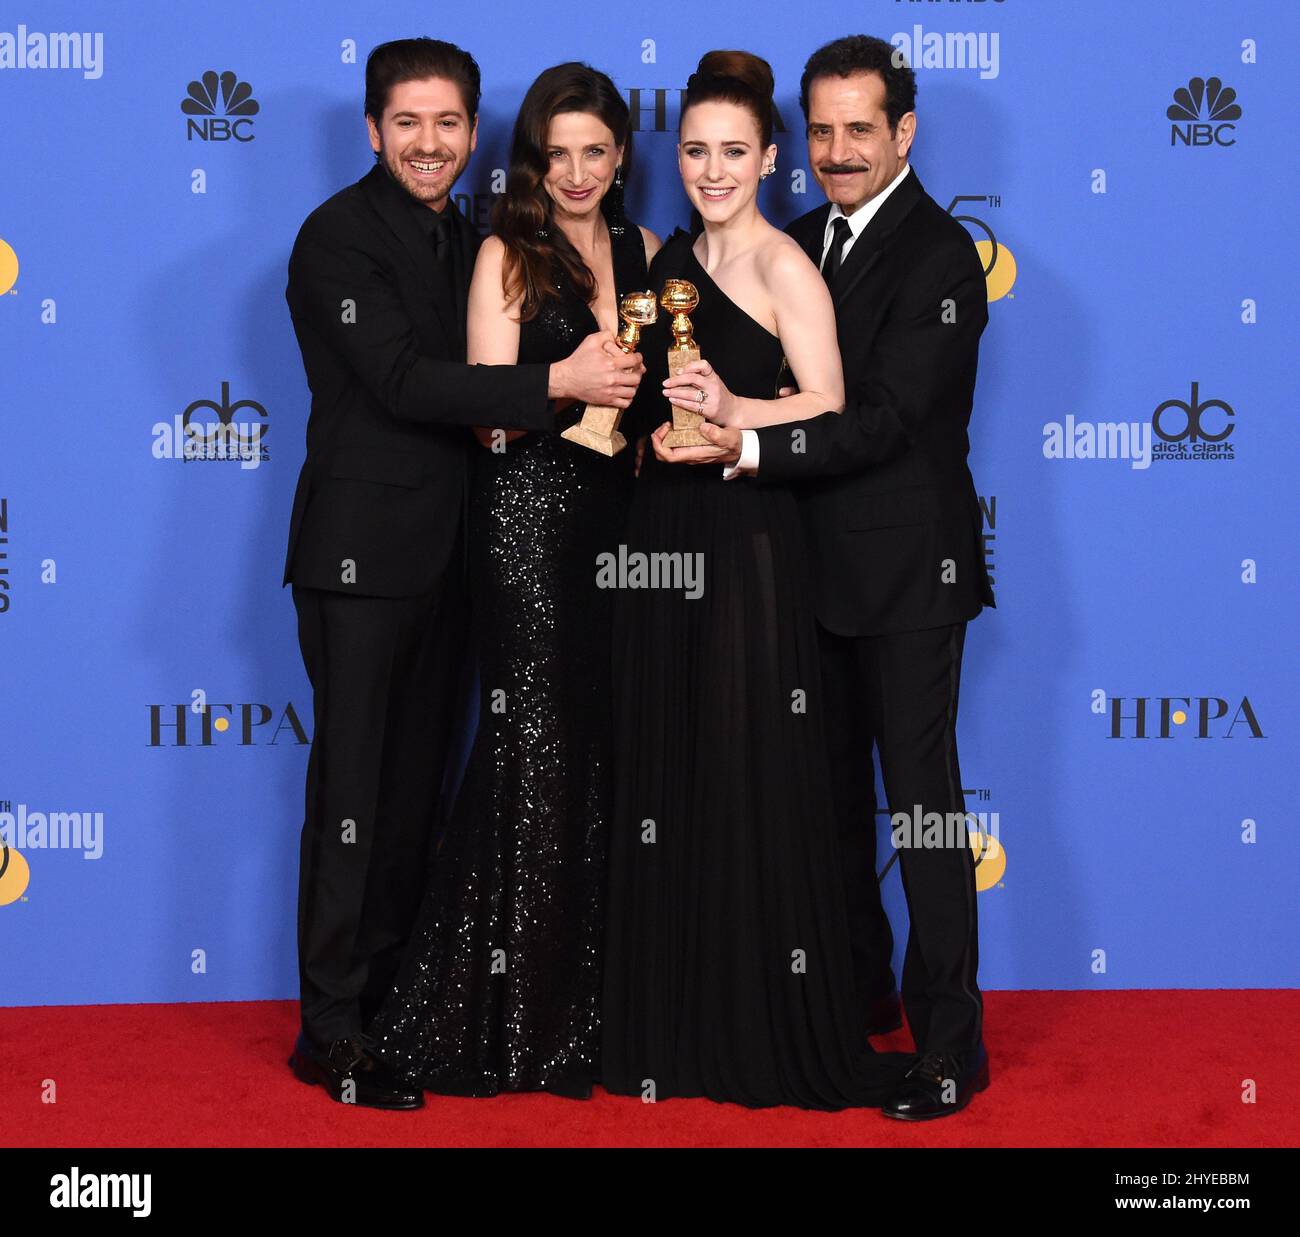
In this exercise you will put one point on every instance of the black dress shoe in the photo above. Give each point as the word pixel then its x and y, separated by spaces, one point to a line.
pixel 939 1084
pixel 351 1075
pixel 884 1014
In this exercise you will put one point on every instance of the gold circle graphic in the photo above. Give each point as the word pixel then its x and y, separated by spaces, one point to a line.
pixel 14 876
pixel 8 267
pixel 1002 278
pixel 990 859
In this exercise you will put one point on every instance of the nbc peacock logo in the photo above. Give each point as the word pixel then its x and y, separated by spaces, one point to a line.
pixel 1202 112
pixel 220 107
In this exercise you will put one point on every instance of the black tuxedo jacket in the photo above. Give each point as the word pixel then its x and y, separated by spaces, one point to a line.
pixel 383 343
pixel 889 504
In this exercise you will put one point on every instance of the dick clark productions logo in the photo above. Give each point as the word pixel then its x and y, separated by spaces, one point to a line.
pixel 219 107
pixel 1186 433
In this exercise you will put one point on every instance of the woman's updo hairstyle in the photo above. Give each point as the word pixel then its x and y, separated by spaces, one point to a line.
pixel 734 77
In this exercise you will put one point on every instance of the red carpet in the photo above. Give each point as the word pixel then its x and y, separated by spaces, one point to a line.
pixel 1092 1069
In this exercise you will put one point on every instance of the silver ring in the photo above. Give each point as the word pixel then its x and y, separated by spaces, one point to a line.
pixel 703 396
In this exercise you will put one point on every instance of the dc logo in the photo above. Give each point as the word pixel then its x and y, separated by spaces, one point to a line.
pixel 244 433
pixel 214 100
pixel 1185 424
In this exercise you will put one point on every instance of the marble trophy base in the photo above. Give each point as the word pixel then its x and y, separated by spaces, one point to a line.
pixel 685 431
pixel 598 430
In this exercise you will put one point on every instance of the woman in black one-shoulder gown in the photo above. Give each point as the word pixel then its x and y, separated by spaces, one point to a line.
pixel 727 969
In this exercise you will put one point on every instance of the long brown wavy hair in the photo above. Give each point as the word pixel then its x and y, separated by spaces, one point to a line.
pixel 538 254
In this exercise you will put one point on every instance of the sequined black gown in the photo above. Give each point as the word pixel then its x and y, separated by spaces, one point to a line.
pixel 499 987
pixel 727 966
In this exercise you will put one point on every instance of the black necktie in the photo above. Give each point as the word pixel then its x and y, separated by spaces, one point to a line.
pixel 446 253
pixel 442 234
pixel 840 232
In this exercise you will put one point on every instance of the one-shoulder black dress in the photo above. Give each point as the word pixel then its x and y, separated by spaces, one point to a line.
pixel 727 966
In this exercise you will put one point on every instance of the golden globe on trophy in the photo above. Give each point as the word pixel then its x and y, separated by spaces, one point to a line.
pixel 679 297
pixel 598 428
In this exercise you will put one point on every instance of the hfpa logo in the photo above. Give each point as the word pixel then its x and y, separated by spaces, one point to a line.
pixel 1160 717
pixel 203 723
pixel 215 99
pixel 1205 108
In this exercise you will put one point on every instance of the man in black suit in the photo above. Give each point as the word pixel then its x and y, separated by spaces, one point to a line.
pixel 895 545
pixel 378 287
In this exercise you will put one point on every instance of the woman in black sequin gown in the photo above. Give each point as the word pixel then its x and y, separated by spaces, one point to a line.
pixel 727 967
pixel 499 988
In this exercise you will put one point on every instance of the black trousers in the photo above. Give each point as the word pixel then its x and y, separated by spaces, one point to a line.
pixel 387 676
pixel 897 694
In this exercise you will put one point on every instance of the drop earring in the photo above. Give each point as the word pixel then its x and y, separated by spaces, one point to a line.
pixel 614 212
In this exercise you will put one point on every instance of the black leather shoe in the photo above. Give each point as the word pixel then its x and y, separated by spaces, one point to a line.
pixel 939 1084
pixel 884 1014
pixel 350 1074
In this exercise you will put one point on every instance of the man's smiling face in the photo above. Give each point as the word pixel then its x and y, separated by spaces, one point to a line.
pixel 425 137
pixel 851 150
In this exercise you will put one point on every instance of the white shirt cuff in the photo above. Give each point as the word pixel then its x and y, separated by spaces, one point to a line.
pixel 747 465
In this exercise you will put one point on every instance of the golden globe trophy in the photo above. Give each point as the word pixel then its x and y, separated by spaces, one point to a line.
pixel 598 428
pixel 679 297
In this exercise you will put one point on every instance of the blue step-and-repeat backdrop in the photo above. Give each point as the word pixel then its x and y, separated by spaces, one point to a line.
pixel 1127 711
